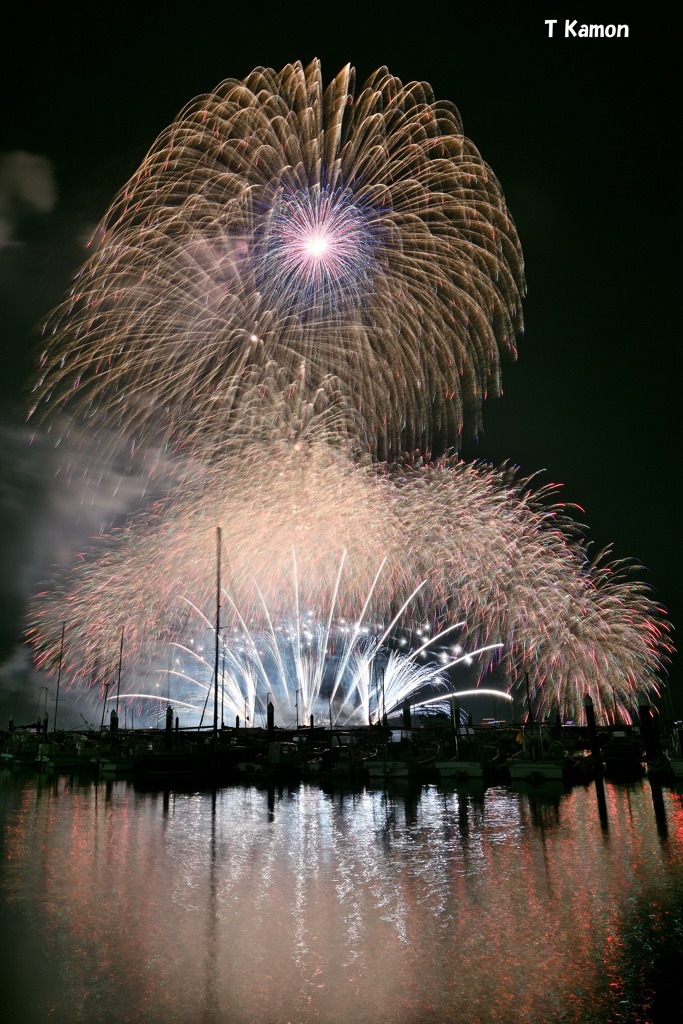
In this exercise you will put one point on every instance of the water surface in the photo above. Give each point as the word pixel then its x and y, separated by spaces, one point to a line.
pixel 300 905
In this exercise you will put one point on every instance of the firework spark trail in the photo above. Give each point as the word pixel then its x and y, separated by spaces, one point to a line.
pixel 357 234
pixel 454 542
pixel 331 675
pixel 296 287
pixel 273 499
pixel 519 567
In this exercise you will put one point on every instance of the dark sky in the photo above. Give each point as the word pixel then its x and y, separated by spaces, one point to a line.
pixel 580 133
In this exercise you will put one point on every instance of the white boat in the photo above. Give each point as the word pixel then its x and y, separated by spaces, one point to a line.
pixel 541 758
pixel 459 768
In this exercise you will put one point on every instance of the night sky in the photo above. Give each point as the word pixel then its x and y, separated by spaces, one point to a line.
pixel 580 134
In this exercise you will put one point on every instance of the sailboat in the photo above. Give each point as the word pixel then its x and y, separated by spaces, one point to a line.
pixel 541 758
pixel 472 760
pixel 399 760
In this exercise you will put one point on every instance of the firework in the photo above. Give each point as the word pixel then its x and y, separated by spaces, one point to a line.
pixel 298 286
pixel 416 549
pixel 511 557
pixel 328 231
pixel 335 671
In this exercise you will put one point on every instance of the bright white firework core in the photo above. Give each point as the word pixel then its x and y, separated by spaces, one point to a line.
pixel 320 237
pixel 314 251
pixel 317 245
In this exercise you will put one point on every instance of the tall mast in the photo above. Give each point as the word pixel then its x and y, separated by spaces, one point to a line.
pixel 118 679
pixel 218 626
pixel 59 676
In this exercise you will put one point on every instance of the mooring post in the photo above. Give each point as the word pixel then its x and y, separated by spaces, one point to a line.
pixel 169 727
pixel 455 722
pixel 455 715
pixel 59 676
pixel 593 734
pixel 597 760
pixel 648 727
pixel 218 635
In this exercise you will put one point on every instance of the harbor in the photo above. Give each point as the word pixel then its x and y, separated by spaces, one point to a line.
pixel 422 749
pixel 339 679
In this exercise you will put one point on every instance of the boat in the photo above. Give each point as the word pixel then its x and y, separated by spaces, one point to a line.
pixel 118 762
pixel 465 768
pixel 344 760
pixel 23 750
pixel 470 759
pixel 669 763
pixel 675 766
pixel 531 769
pixel 399 760
pixel 581 766
pixel 282 760
pixel 541 758
pixel 72 753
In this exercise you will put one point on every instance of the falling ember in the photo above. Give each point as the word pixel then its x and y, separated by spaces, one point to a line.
pixel 357 232
pixel 299 286
pixel 452 542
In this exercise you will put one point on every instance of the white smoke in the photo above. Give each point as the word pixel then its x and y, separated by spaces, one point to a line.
pixel 27 186
pixel 58 495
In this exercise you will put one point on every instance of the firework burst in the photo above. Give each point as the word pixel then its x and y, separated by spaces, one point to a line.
pixel 299 285
pixel 329 231
pixel 420 547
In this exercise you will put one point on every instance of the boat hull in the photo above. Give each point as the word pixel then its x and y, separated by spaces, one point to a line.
pixel 460 769
pixel 528 769
pixel 386 768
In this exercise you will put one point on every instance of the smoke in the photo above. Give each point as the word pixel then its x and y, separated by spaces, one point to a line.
pixel 58 495
pixel 27 188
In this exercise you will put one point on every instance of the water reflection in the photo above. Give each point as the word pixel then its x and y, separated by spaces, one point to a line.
pixel 449 903
pixel 659 809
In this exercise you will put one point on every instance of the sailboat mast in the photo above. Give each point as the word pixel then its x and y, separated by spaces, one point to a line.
pixel 218 626
pixel 118 678
pixel 59 676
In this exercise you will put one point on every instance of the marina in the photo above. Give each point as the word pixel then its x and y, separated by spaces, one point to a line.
pixel 345 711
pixel 427 752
